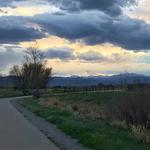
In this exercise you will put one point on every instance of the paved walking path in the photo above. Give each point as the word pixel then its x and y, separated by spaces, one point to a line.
pixel 17 133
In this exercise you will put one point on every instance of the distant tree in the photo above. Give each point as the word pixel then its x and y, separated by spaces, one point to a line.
pixel 17 77
pixel 33 74
pixel 0 73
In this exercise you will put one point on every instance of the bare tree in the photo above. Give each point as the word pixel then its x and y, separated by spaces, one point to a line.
pixel 17 77
pixel 1 73
pixel 33 74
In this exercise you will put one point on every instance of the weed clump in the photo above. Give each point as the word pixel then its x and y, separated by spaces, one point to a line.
pixel 141 134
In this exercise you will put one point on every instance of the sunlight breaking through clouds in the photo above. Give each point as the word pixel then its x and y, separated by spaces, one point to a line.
pixel 85 34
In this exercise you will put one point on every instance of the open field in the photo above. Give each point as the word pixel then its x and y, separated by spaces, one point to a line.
pixel 82 115
pixel 10 93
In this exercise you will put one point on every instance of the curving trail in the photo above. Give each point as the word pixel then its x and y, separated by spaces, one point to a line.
pixel 17 133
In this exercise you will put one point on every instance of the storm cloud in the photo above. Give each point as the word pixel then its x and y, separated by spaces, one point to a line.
pixel 112 7
pixel 131 34
pixel 18 29
pixel 59 53
pixel 91 27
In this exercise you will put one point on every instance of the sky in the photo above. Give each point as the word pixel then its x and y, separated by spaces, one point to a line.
pixel 78 37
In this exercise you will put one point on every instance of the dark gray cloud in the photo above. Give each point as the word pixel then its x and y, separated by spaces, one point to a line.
pixel 97 57
pixel 18 29
pixel 92 27
pixel 91 56
pixel 67 54
pixel 72 26
pixel 112 7
pixel 132 34
pixel 59 53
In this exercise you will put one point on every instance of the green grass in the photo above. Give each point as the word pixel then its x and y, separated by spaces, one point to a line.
pixel 97 135
pixel 94 97
pixel 10 93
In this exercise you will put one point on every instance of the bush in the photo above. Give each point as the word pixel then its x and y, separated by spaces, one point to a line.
pixel 133 108
pixel 26 92
pixel 141 134
pixel 36 94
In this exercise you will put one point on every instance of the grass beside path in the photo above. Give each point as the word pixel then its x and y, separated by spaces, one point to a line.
pixel 4 93
pixel 95 134
pixel 92 97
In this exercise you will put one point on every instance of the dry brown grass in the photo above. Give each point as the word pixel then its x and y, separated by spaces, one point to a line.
pixel 141 134
pixel 53 101
pixel 119 124
pixel 88 110
pixel 91 111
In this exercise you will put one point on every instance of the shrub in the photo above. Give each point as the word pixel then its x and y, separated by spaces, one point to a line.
pixel 141 134
pixel 133 108
pixel 119 124
pixel 36 94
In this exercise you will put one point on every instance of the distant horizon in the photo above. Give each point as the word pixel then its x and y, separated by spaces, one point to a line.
pixel 100 75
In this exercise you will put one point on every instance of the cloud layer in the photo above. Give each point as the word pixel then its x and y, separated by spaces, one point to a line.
pixel 104 27
pixel 59 53
pixel 111 7
pixel 131 34
pixel 18 29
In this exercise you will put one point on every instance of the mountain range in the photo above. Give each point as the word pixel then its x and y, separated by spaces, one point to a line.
pixel 95 80
pixel 87 81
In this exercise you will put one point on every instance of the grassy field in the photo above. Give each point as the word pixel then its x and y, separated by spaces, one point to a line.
pixel 94 97
pixel 10 93
pixel 81 116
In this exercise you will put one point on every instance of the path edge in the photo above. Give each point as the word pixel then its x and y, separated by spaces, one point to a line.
pixel 60 139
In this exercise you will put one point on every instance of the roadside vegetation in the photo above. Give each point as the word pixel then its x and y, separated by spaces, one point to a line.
pixel 99 120
pixel 10 93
